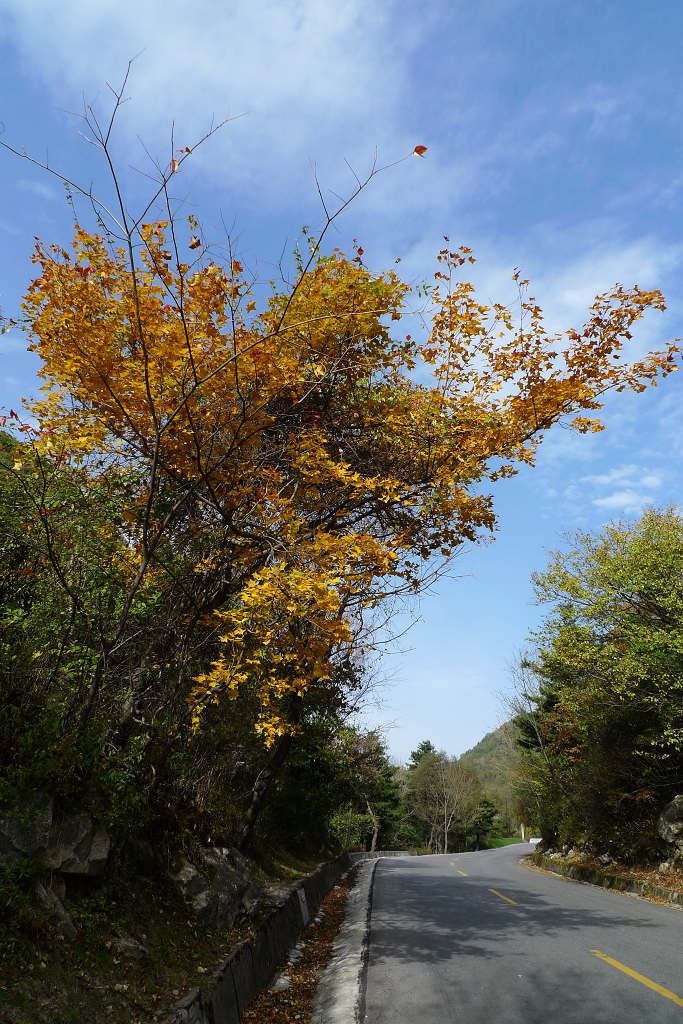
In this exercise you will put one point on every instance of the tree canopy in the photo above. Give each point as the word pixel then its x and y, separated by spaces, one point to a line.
pixel 286 461
pixel 601 711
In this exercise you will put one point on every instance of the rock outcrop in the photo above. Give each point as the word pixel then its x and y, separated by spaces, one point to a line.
pixel 670 825
pixel 25 831
pixel 70 843
pixel 56 912
pixel 218 891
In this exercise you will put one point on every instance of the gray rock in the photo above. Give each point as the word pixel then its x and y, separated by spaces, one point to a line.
pixel 77 846
pixel 56 911
pixel 70 843
pixel 26 830
pixel 218 891
pixel 130 948
pixel 670 822
pixel 189 1009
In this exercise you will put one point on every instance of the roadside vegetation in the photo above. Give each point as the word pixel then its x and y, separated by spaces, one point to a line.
pixel 600 703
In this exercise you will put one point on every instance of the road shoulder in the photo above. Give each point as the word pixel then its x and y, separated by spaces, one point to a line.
pixel 643 884
pixel 340 993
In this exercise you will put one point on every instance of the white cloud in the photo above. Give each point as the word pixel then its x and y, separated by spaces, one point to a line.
pixel 36 188
pixel 624 501
pixel 569 290
pixel 630 478
pixel 619 473
pixel 568 267
pixel 670 421
pixel 306 73
pixel 634 488
pixel 620 489
pixel 322 82
pixel 562 447
pixel 609 110
pixel 669 193
pixel 626 489
pixel 597 100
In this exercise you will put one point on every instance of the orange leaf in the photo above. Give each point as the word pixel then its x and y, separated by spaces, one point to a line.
pixel 195 242
pixel 174 165
pixel 420 151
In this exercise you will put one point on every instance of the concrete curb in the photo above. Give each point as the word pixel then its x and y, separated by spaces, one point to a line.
pixel 365 952
pixel 592 875
pixel 340 994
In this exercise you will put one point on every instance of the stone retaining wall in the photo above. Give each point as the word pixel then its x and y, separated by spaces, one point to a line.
pixel 587 873
pixel 252 964
pixel 355 857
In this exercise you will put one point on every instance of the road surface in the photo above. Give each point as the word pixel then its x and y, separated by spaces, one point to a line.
pixel 477 938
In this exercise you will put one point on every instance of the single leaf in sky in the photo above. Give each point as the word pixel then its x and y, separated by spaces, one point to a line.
pixel 194 242
pixel 420 151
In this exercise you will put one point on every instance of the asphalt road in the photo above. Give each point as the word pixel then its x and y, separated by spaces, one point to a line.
pixel 477 938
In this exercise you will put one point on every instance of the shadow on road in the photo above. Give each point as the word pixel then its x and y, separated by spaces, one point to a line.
pixel 427 916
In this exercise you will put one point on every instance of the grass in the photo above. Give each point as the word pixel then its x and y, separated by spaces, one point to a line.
pixel 495 841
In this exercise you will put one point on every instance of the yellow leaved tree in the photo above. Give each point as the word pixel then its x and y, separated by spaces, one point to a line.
pixel 294 450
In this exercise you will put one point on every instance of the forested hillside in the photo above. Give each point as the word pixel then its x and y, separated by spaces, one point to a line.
pixel 493 760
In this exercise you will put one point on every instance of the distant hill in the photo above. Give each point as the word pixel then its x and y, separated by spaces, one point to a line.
pixel 492 761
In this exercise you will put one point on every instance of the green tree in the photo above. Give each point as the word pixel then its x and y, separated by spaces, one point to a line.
pixel 444 795
pixel 483 820
pixel 423 749
pixel 412 830
pixel 601 703
pixel 375 790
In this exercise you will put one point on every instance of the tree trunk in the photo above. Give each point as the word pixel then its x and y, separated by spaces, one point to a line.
pixel 375 826
pixel 261 786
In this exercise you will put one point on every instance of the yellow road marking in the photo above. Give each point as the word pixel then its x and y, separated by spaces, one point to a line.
pixel 639 977
pixel 463 873
pixel 507 900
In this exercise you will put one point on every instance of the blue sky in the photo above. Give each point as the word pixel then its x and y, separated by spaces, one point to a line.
pixel 555 144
